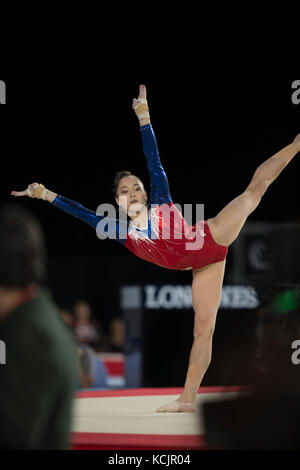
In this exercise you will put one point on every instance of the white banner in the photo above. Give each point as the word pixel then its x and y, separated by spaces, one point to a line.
pixel 180 297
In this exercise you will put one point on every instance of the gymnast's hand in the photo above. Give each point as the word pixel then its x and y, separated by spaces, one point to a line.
pixel 140 107
pixel 297 141
pixel 37 191
pixel 34 190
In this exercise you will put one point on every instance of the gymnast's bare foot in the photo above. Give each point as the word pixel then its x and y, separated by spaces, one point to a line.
pixel 177 407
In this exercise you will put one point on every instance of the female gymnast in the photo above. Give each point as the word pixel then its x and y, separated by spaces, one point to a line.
pixel 144 227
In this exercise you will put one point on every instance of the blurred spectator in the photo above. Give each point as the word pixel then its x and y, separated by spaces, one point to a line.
pixel 38 382
pixel 90 340
pixel 93 373
pixel 117 335
pixel 86 329
pixel 84 364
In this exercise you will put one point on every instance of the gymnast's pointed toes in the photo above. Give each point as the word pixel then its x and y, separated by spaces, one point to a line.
pixel 165 408
pixel 161 409
pixel 176 407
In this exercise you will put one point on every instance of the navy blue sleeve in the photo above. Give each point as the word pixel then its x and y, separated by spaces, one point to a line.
pixel 77 210
pixel 160 191
pixel 105 227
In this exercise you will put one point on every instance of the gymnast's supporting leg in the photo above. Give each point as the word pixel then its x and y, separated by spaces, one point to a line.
pixel 206 296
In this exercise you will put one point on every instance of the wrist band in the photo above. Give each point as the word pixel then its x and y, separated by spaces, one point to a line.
pixel 144 116
pixel 39 192
pixel 142 109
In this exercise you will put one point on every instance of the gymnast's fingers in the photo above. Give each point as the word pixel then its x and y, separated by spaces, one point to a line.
pixel 27 192
pixel 143 92
pixel 19 193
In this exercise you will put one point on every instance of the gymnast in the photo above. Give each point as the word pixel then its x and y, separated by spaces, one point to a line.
pixel 141 232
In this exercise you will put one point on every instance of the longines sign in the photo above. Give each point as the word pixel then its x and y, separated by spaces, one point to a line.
pixel 169 296
pixel 180 297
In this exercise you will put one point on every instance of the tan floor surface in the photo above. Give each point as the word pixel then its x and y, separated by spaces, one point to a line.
pixel 137 415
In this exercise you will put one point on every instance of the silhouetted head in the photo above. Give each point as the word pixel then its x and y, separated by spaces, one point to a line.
pixel 23 258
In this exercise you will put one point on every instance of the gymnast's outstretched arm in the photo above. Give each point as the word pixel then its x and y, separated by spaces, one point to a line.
pixel 106 227
pixel 38 191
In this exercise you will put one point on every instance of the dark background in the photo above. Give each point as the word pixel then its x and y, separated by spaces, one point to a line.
pixel 219 90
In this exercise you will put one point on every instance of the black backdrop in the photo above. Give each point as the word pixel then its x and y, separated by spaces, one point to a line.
pixel 219 88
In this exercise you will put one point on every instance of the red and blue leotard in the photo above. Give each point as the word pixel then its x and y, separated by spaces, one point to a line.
pixel 169 241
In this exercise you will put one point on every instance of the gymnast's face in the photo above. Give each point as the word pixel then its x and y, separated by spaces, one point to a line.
pixel 132 196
